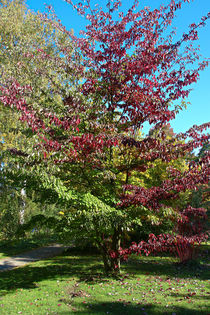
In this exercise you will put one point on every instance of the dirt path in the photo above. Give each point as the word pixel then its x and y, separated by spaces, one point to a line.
pixel 31 256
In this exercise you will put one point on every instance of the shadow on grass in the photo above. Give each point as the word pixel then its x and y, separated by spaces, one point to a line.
pixel 28 276
pixel 167 267
pixel 13 247
pixel 116 308
pixel 89 268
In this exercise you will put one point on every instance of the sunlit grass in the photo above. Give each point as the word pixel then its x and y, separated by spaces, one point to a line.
pixel 75 283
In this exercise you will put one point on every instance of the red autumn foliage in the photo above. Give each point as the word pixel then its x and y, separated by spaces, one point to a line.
pixel 190 234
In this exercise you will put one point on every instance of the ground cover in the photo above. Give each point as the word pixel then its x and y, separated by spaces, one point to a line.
pixel 75 283
pixel 13 247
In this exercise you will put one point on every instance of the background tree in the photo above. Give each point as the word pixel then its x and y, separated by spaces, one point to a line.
pixel 164 221
pixel 201 197
pixel 25 40
pixel 132 72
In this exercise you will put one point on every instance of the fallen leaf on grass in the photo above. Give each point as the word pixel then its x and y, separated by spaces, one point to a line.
pixel 75 292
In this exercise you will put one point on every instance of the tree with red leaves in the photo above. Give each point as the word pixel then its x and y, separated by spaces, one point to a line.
pixel 132 72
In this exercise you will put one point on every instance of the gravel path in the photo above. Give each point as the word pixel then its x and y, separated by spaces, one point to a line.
pixel 31 256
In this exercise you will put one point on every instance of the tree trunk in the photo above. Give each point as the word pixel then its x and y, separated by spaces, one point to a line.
pixel 110 253
pixel 116 242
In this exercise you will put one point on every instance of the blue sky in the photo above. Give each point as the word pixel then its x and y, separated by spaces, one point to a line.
pixel 199 110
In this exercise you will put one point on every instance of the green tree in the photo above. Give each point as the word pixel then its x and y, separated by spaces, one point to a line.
pixel 201 197
pixel 24 37
pixel 25 40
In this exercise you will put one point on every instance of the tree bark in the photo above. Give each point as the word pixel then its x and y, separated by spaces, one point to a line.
pixel 111 262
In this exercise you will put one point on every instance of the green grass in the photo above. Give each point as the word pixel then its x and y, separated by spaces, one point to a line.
pixel 75 284
pixel 14 247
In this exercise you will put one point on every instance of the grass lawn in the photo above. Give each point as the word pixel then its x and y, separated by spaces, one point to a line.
pixel 14 247
pixel 75 283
